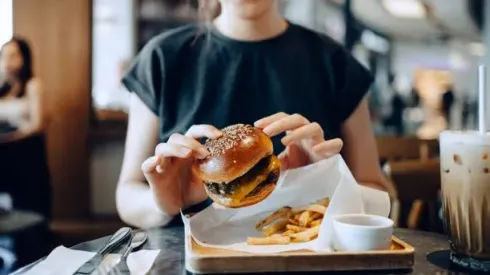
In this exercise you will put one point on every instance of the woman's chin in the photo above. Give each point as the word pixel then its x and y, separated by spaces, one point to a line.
pixel 252 9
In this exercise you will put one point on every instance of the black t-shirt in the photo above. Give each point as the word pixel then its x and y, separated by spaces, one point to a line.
pixel 192 75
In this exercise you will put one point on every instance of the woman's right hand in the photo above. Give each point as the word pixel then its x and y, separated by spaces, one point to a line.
pixel 170 172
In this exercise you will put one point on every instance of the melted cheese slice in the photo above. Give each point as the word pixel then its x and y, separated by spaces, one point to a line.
pixel 247 184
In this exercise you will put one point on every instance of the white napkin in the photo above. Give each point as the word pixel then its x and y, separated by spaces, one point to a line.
pixel 229 228
pixel 64 261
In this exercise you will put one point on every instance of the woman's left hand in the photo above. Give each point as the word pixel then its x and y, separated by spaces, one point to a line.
pixel 304 140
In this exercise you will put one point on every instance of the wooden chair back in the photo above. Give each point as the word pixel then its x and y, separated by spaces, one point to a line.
pixel 418 184
pixel 429 149
pixel 406 148
pixel 416 180
pixel 398 148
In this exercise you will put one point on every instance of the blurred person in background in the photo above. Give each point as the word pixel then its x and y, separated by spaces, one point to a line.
pixel 465 112
pixel 238 67
pixel 23 166
pixel 414 101
pixel 398 106
pixel 447 104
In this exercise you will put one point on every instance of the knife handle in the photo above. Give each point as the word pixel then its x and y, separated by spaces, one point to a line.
pixel 116 240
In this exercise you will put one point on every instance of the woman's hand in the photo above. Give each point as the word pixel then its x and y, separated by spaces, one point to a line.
pixel 169 173
pixel 304 140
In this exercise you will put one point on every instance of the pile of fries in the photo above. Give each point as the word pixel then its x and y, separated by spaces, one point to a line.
pixel 288 225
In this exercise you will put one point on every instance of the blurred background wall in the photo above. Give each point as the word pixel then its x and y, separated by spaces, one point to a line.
pixel 61 35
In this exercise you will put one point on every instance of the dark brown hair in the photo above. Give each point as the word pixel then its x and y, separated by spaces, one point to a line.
pixel 209 10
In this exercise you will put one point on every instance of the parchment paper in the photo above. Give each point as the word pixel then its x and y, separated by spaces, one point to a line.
pixel 229 228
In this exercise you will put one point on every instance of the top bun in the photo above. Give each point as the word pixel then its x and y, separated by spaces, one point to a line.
pixel 232 155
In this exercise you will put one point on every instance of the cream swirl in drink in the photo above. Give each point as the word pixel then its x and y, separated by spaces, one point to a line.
pixel 465 178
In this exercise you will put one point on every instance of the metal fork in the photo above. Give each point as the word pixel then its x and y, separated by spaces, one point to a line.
pixel 138 239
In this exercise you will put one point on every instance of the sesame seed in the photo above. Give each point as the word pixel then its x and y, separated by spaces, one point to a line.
pixel 232 136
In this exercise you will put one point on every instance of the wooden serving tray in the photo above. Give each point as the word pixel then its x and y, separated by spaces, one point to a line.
pixel 204 260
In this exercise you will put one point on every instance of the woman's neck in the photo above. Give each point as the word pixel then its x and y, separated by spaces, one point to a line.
pixel 264 27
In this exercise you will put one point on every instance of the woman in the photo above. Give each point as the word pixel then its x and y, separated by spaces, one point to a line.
pixel 22 124
pixel 247 65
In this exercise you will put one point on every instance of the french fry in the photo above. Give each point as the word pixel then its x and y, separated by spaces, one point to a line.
pixel 298 211
pixel 315 223
pixel 306 235
pixel 317 208
pixel 296 216
pixel 325 202
pixel 314 216
pixel 271 240
pixel 281 213
pixel 295 228
pixel 273 229
pixel 288 225
pixel 304 218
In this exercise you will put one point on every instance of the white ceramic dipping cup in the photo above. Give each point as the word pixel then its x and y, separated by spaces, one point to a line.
pixel 361 232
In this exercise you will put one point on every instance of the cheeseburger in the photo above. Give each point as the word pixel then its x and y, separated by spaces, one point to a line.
pixel 241 169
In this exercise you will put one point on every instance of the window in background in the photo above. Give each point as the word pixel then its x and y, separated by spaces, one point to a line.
pixel 6 21
pixel 120 29
pixel 113 49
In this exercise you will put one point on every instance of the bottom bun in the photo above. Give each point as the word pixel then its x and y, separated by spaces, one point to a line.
pixel 255 197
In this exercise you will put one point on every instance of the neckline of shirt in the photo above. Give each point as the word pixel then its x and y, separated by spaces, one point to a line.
pixel 219 36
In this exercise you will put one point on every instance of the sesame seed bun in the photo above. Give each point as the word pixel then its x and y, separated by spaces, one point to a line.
pixel 241 169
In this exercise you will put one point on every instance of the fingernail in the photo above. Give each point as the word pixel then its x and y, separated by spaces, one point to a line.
pixel 267 131
pixel 285 140
pixel 257 123
pixel 159 169
pixel 218 133
pixel 158 159
pixel 186 152
pixel 203 154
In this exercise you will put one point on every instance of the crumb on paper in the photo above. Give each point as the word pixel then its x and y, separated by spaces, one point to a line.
pixel 485 156
pixel 486 170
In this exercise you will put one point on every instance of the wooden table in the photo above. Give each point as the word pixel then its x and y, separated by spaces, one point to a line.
pixel 429 248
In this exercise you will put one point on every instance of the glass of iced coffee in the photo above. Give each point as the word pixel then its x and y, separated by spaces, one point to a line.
pixel 465 179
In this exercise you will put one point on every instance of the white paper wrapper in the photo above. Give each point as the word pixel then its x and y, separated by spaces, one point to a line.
pixel 229 228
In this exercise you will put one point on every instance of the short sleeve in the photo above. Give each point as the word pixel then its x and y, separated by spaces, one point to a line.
pixel 145 76
pixel 352 82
